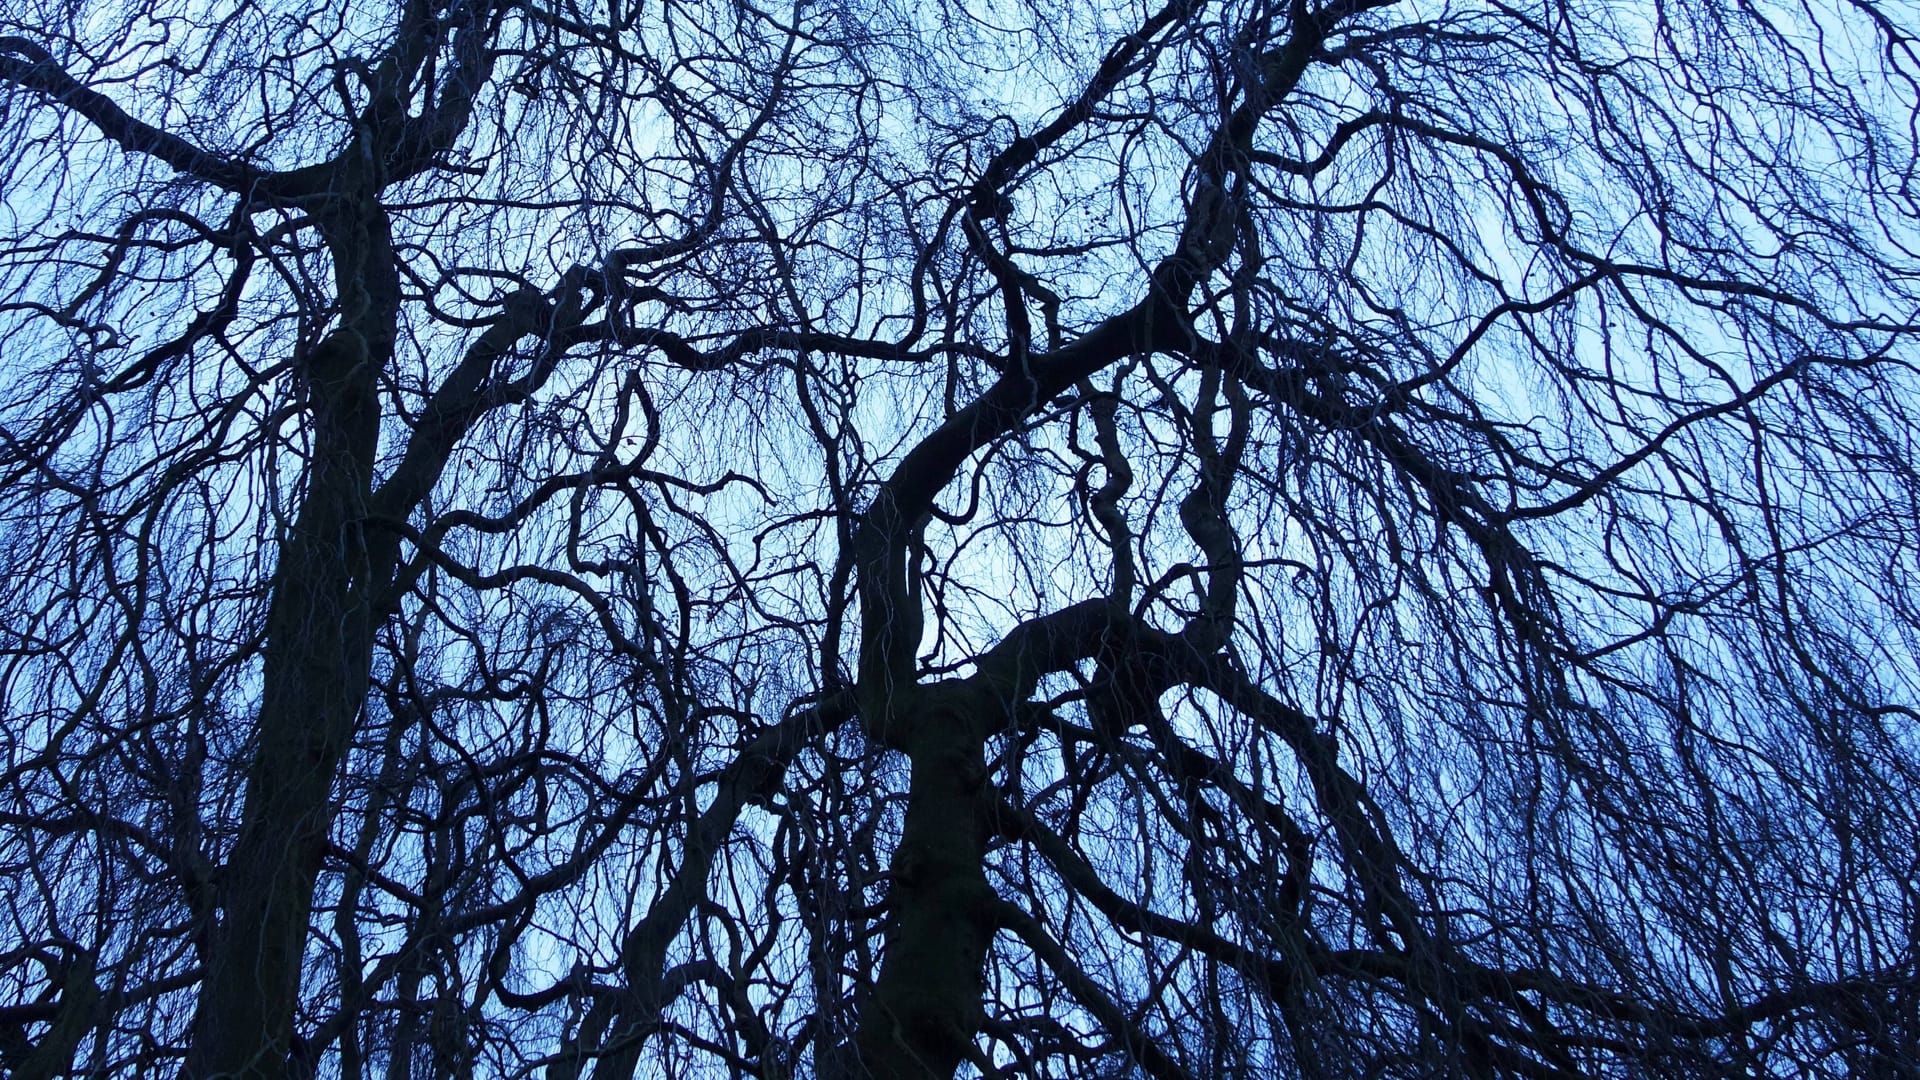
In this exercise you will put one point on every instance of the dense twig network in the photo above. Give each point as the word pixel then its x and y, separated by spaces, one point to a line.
pixel 610 538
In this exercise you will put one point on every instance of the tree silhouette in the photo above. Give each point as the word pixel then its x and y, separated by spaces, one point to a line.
pixel 563 539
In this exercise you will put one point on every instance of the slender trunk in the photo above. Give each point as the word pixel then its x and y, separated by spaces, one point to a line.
pixel 73 1019
pixel 616 1027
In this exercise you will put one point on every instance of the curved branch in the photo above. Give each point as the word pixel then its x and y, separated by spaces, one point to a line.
pixel 34 68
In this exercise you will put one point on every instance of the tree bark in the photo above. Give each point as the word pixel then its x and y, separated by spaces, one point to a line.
pixel 320 627
pixel 926 1007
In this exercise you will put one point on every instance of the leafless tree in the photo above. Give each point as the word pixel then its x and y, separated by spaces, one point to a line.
pixel 609 538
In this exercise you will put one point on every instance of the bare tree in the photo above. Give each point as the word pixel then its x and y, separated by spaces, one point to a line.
pixel 857 539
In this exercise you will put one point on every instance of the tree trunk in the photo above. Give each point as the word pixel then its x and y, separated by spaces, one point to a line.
pixel 926 1009
pixel 320 626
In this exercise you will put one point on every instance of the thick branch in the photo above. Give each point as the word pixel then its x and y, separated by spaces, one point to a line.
pixel 34 68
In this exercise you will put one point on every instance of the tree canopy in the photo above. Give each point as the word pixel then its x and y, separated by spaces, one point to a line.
pixel 607 538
